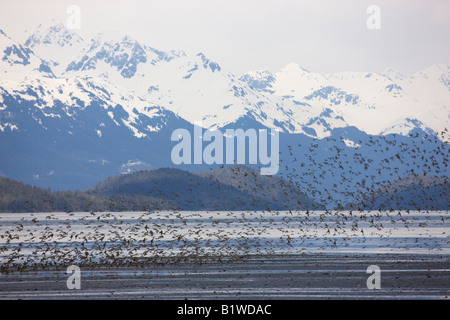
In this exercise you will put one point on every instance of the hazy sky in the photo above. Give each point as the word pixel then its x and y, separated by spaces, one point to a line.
pixel 323 36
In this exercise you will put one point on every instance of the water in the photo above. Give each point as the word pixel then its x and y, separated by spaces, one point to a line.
pixel 108 237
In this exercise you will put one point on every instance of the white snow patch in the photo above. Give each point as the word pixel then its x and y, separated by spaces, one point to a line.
pixel 350 143
pixel 135 131
pixel 153 129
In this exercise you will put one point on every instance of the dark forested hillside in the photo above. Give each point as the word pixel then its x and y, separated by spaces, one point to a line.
pixel 271 188
pixel 415 192
pixel 233 188
pixel 236 188
pixel 189 191
pixel 18 197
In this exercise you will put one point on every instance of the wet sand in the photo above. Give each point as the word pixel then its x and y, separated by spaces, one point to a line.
pixel 310 276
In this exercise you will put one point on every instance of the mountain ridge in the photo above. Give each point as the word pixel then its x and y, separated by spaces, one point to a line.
pixel 115 113
pixel 188 83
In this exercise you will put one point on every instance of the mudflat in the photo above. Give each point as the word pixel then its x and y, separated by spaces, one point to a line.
pixel 263 277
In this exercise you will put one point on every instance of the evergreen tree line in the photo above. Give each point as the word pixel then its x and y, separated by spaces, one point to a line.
pixel 18 197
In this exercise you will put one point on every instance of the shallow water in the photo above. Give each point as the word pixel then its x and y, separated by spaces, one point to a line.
pixel 47 238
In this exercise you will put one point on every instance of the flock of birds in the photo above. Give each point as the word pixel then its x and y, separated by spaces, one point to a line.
pixel 353 175
pixel 92 239
pixel 34 240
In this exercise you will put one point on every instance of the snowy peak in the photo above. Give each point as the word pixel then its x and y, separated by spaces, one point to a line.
pixel 120 52
pixel 294 68
pixel 405 126
pixel 17 61
pixel 375 103
pixel 437 72
pixel 57 35
pixel 296 81
pixel 56 44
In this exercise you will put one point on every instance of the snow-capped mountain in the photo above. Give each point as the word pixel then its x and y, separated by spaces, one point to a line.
pixel 55 44
pixel 194 87
pixel 75 111
pixel 56 97
pixel 69 133
pixel 376 104
pixel 19 62
pixel 292 100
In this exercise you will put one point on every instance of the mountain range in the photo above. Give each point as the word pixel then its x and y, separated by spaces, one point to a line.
pixel 75 111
